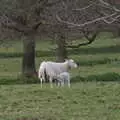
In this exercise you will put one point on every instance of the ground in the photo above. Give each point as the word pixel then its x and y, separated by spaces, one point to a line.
pixel 94 92
pixel 84 101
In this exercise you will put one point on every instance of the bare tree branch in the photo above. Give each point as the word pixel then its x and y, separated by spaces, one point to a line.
pixel 109 6
pixel 113 20
pixel 84 8
pixel 86 23
pixel 64 5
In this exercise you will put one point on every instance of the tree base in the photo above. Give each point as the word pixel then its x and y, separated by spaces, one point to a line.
pixel 29 78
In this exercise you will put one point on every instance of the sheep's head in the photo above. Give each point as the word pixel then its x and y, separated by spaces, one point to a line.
pixel 71 63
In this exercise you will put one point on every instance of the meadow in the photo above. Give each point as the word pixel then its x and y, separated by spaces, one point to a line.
pixel 95 85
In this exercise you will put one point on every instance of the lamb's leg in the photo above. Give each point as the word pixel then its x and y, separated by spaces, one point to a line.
pixel 58 84
pixel 62 83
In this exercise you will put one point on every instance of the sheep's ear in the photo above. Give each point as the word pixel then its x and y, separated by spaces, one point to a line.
pixel 66 60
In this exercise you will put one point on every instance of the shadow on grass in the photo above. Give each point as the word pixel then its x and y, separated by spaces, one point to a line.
pixel 103 50
pixel 19 80
pixel 99 62
pixel 25 118
pixel 19 54
pixel 107 77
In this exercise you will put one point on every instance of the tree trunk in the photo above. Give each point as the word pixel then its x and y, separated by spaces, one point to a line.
pixel 116 33
pixel 28 63
pixel 61 48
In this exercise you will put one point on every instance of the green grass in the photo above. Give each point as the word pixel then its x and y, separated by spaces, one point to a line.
pixel 84 101
pixel 94 92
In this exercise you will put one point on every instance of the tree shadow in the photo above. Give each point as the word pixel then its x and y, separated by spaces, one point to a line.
pixel 104 50
pixel 77 51
pixel 107 77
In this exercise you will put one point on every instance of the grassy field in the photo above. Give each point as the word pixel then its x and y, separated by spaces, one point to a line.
pixel 84 101
pixel 95 91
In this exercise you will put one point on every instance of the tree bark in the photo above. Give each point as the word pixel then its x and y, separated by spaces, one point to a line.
pixel 61 48
pixel 116 33
pixel 28 62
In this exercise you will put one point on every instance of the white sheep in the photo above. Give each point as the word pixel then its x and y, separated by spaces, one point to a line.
pixel 52 69
pixel 63 78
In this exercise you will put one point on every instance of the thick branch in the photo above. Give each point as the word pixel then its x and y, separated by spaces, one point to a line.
pixel 6 22
pixel 21 28
pixel 87 35
pixel 79 45
pixel 15 25
pixel 90 40
pixel 36 25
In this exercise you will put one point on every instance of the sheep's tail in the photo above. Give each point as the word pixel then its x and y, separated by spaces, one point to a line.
pixel 39 75
pixel 45 75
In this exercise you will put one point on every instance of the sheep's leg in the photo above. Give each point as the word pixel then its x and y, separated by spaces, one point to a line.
pixel 51 85
pixel 41 82
pixel 69 83
pixel 59 83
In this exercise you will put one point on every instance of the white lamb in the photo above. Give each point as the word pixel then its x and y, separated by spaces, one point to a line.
pixel 63 78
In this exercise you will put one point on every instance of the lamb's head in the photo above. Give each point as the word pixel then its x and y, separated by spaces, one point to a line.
pixel 71 63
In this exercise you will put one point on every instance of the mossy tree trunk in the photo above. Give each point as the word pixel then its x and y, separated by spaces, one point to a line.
pixel 61 48
pixel 28 62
